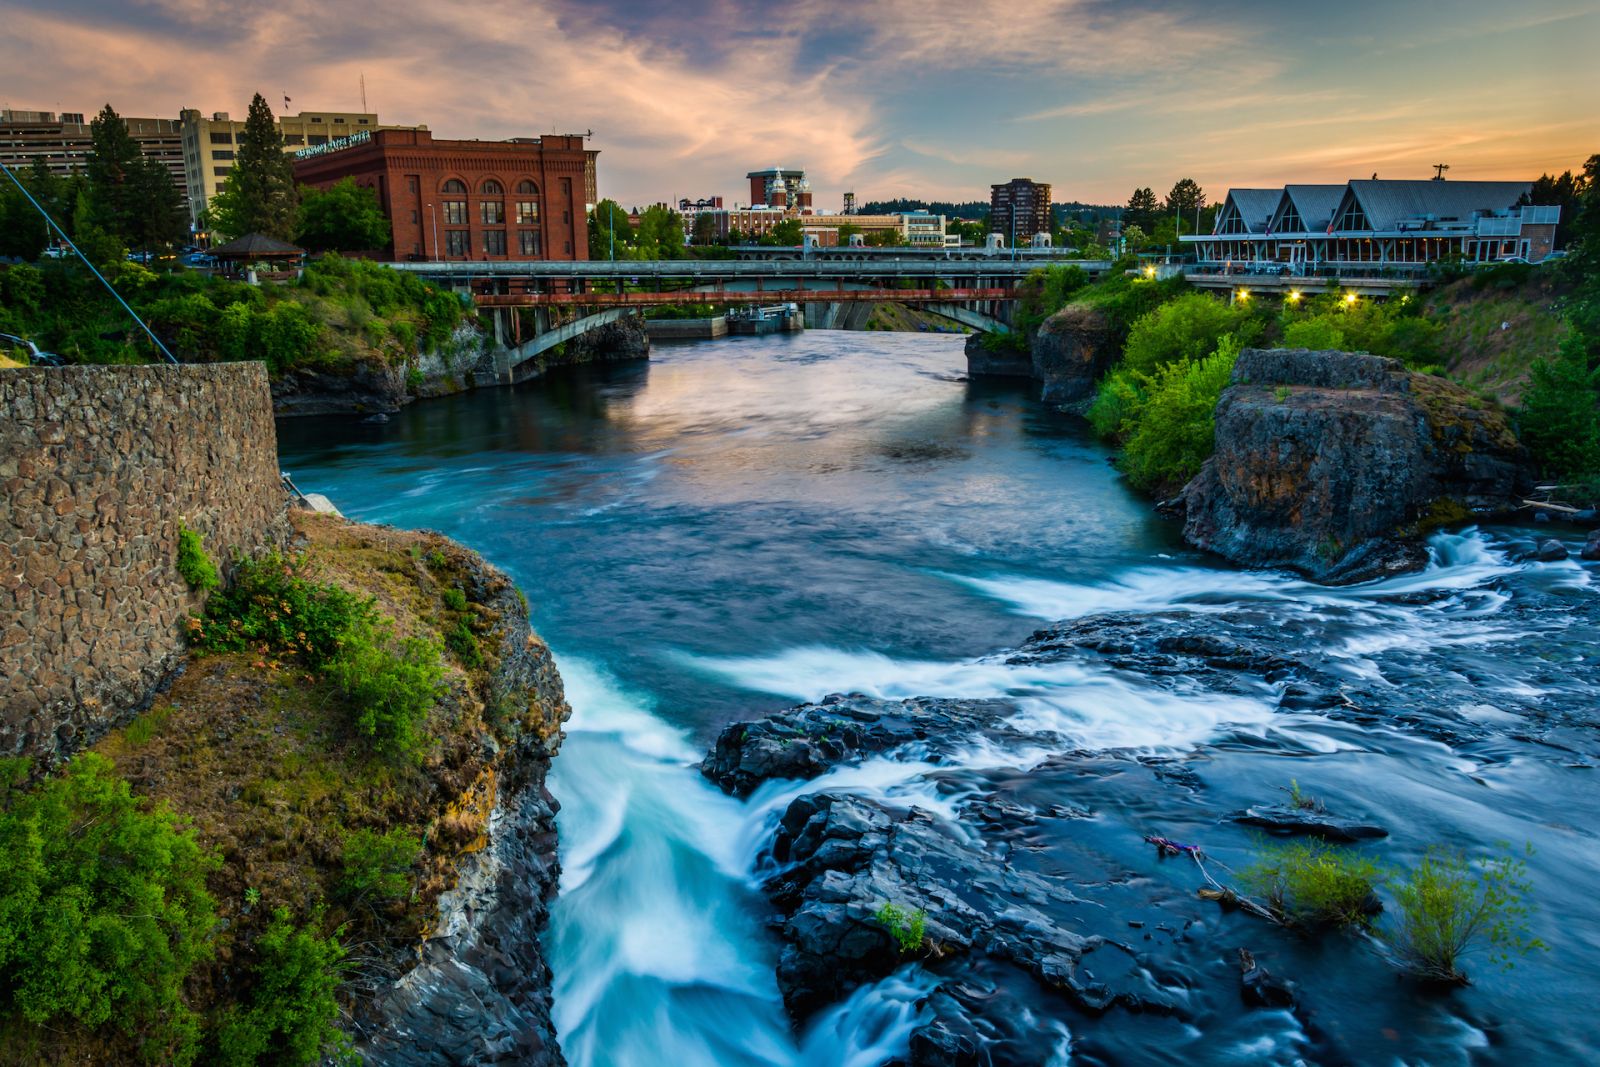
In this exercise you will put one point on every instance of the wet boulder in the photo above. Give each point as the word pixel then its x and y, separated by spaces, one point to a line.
pixel 1288 819
pixel 1591 547
pixel 1336 464
pixel 1550 551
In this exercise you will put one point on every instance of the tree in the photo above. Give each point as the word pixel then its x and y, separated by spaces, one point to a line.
pixel 1558 420
pixel 660 234
pixel 343 218
pixel 1141 211
pixel 113 171
pixel 610 233
pixel 1565 192
pixel 22 231
pixel 786 234
pixel 1184 203
pixel 258 196
pixel 705 229
pixel 158 218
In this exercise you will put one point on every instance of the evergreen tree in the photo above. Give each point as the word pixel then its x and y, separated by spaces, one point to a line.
pixel 258 195
pixel 343 218
pixel 113 171
pixel 23 232
pixel 159 219
pixel 1184 203
pixel 1558 421
pixel 1141 211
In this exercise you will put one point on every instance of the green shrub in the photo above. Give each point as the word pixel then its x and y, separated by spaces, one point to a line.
pixel 273 604
pixel 464 643
pixel 1449 905
pixel 291 1013
pixel 1318 333
pixel 390 686
pixel 1558 420
pixel 455 599
pixel 1311 883
pixel 193 564
pixel 1117 402
pixel 1172 432
pixel 379 865
pixel 907 927
pixel 1187 328
pixel 103 908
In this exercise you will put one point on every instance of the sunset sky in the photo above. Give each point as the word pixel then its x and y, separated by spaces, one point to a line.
pixel 926 98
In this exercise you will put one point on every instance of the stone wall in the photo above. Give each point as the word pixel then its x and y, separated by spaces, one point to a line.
pixel 97 467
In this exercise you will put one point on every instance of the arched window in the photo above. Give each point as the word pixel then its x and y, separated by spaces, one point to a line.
pixel 490 187
pixel 527 188
pixel 454 185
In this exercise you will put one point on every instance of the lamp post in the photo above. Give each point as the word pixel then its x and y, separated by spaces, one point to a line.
pixel 434 217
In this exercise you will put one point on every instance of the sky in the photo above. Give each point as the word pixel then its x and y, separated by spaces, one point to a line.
pixel 933 99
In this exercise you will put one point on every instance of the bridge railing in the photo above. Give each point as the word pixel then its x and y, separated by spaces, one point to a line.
pixel 739 268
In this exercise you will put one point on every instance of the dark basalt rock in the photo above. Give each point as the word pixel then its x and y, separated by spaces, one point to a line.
pixel 1071 353
pixel 1550 551
pixel 1591 547
pixel 1259 987
pixel 984 361
pixel 1285 819
pixel 805 741
pixel 1334 464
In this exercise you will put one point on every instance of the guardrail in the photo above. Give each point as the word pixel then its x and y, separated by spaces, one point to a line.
pixel 739 268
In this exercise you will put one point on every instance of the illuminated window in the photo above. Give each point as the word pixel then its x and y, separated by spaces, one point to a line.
pixel 492 212
pixel 527 212
pixel 455 212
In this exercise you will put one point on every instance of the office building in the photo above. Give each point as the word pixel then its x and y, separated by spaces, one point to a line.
pixel 64 141
pixel 1020 208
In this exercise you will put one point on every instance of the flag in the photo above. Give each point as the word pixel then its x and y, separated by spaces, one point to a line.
pixel 286 101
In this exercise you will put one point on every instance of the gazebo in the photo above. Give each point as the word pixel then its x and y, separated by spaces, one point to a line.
pixel 258 248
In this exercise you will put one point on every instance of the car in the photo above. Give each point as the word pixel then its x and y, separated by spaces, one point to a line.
pixel 1512 259
pixel 200 259
pixel 56 252
pixel 141 257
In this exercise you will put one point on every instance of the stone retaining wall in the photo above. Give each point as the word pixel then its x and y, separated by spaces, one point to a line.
pixel 97 467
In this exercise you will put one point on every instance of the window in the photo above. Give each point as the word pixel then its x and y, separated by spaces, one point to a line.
pixel 363 122
pixel 527 212
pixel 527 188
pixel 494 242
pixel 223 172
pixel 455 212
pixel 316 118
pixel 457 243
pixel 225 137
pixel 338 120
pixel 454 185
pixel 492 212
pixel 411 183
pixel 569 248
pixel 318 138
pixel 490 187
pixel 294 138
pixel 414 217
pixel 219 153
pixel 528 243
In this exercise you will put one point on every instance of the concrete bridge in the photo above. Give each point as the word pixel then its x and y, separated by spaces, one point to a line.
pixel 975 291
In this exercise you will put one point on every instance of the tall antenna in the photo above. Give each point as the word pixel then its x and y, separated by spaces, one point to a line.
pixel 1438 171
pixel 364 92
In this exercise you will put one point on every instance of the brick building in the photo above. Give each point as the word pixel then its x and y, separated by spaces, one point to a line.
pixel 494 200
pixel 1020 208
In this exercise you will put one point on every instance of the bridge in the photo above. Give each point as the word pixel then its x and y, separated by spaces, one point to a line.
pixel 568 298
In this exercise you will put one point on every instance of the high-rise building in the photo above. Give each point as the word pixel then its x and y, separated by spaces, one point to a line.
pixel 64 141
pixel 494 200
pixel 1020 208
pixel 780 186
pixel 210 144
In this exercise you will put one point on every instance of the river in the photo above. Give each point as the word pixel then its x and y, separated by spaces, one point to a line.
pixel 747 523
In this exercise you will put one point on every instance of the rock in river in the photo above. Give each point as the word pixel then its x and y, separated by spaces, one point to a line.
pixel 1334 464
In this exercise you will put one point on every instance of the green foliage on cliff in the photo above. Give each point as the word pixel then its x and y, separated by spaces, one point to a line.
pixel 1396 328
pixel 1186 328
pixel 103 909
pixel 275 608
pixel 341 312
pixel 194 565
pixel 1559 420
pixel 291 1013
pixel 379 865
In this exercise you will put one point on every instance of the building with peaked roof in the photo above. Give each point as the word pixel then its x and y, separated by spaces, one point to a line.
pixel 1376 224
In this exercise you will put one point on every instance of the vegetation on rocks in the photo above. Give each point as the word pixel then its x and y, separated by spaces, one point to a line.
pixel 907 926
pixel 1310 883
pixel 1449 906
pixel 194 565
pixel 279 860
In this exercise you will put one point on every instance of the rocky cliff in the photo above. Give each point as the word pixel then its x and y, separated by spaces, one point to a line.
pixel 1334 464
pixel 1069 353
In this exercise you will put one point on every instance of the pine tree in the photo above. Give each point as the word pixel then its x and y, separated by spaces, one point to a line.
pixel 1141 210
pixel 258 195
pixel 113 167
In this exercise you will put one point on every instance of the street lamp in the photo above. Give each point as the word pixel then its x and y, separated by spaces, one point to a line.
pixel 434 217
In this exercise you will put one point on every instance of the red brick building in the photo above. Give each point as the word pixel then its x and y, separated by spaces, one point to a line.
pixel 494 200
